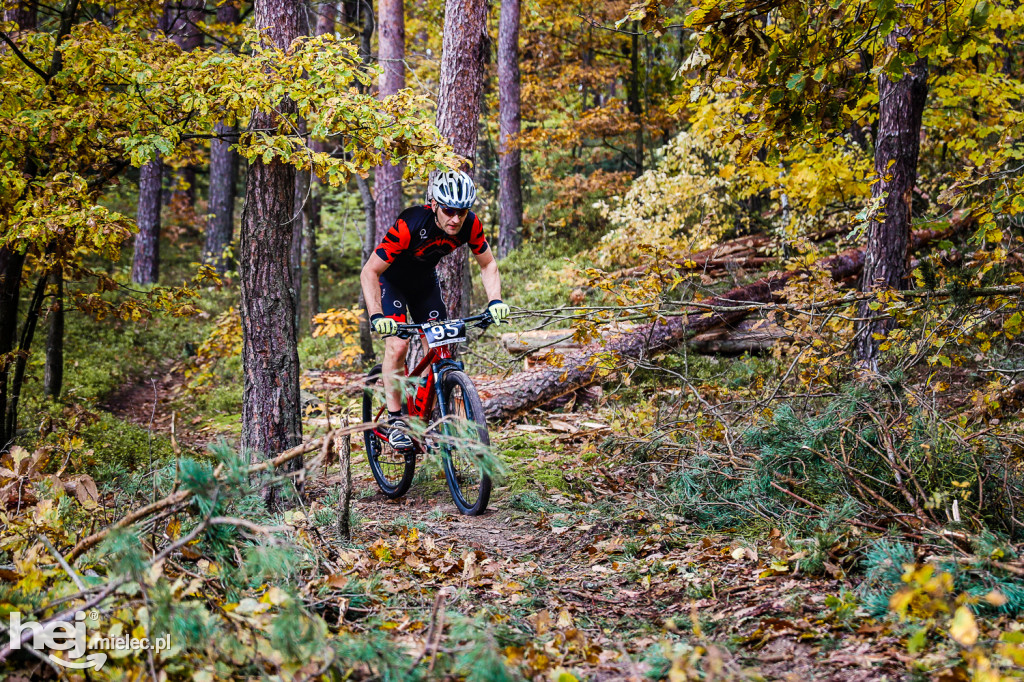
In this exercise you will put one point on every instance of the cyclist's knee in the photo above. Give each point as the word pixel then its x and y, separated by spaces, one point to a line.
pixel 395 349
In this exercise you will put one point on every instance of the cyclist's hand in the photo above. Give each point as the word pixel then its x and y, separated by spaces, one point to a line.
pixel 384 326
pixel 499 311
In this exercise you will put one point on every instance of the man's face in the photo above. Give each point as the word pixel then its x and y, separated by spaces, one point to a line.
pixel 449 224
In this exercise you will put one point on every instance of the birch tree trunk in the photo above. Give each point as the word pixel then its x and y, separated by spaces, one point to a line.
pixel 510 193
pixel 271 420
pixel 898 140
pixel 458 114
pixel 391 57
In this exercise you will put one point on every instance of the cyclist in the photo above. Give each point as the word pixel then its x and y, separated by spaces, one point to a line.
pixel 400 275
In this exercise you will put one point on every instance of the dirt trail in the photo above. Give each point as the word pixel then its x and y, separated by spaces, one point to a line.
pixel 604 597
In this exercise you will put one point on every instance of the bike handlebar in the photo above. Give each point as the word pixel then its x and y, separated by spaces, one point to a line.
pixel 483 321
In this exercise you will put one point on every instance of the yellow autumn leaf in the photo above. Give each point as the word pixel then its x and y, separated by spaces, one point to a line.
pixel 963 628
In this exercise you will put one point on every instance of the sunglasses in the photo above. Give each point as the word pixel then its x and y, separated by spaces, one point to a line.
pixel 452 212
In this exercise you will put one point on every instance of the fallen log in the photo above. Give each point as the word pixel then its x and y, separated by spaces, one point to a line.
pixel 741 252
pixel 746 337
pixel 735 249
pixel 520 393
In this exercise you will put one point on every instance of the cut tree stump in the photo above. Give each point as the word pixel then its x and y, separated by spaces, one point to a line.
pixel 520 393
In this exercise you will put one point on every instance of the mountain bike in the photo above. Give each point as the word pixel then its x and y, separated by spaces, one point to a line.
pixel 460 431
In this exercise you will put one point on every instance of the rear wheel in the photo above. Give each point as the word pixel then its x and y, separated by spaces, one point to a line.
pixel 464 440
pixel 391 469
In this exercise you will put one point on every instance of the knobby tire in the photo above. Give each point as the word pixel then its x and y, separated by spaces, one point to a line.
pixel 385 461
pixel 469 486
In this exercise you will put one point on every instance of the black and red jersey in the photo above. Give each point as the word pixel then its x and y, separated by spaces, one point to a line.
pixel 415 244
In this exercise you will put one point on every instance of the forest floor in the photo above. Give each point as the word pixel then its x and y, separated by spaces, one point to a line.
pixel 581 568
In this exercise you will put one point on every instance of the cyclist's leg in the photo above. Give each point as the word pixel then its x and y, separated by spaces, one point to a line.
pixel 393 304
pixel 428 304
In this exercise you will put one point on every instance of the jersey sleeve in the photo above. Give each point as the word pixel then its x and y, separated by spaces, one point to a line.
pixel 477 240
pixel 395 241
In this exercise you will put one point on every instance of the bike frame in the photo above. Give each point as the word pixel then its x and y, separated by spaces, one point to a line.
pixel 420 402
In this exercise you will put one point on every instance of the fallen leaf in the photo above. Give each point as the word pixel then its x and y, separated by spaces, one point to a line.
pixel 963 628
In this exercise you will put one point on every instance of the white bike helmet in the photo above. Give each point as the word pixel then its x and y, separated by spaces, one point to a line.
pixel 454 189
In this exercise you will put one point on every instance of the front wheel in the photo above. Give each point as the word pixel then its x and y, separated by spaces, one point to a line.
pixel 464 441
pixel 391 469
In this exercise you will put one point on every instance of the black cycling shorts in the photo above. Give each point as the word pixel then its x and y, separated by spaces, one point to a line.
pixel 422 299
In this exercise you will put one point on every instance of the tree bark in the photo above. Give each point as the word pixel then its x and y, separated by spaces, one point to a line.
pixel 303 187
pixel 901 105
pixel 391 58
pixel 369 242
pixel 271 420
pixel 28 332
pixel 635 106
pixel 53 372
pixel 458 115
pixel 326 20
pixel 517 395
pixel 11 265
pixel 146 261
pixel 311 227
pixel 510 209
pixel 185 16
pixel 11 262
pixel 23 14
pixel 220 226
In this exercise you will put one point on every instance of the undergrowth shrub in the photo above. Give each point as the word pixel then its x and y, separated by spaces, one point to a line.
pixel 887 561
pixel 896 462
pixel 238 590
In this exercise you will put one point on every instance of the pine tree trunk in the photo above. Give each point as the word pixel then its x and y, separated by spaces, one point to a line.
pixel 311 224
pixel 223 178
pixel 391 58
pixel 53 373
pixel 299 228
pixel 220 226
pixel 326 20
pixel 897 142
pixel 185 16
pixel 146 261
pixel 458 115
pixel 271 421
pixel 23 14
pixel 510 210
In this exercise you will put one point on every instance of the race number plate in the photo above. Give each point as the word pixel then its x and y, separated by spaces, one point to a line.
pixel 444 334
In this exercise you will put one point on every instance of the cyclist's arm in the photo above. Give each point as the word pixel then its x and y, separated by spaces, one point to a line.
pixel 395 242
pixel 369 279
pixel 489 274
